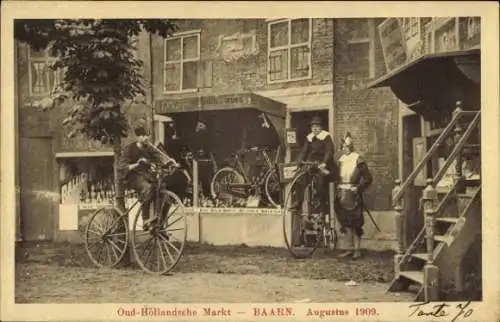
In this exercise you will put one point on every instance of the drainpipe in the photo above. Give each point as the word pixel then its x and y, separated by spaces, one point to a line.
pixel 149 95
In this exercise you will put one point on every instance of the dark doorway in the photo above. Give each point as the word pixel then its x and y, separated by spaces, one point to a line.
pixel 38 197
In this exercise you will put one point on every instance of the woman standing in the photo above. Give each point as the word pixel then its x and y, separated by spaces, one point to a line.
pixel 355 177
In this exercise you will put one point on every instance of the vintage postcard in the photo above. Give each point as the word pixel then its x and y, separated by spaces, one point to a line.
pixel 249 161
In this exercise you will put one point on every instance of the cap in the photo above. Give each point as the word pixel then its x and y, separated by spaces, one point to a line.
pixel 140 131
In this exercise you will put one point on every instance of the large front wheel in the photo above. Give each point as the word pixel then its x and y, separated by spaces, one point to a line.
pixel 303 223
pixel 159 246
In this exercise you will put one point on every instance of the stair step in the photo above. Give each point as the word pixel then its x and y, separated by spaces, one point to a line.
pixel 422 256
pixel 443 238
pixel 416 276
pixel 450 220
pixel 466 195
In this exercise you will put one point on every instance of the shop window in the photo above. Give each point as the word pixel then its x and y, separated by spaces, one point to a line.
pixel 182 56
pixel 289 50
pixel 360 51
pixel 42 79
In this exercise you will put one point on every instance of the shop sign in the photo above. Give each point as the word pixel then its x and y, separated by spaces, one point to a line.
pixel 208 102
pixel 291 137
pixel 237 46
pixel 393 43
pixel 235 211
pixel 287 171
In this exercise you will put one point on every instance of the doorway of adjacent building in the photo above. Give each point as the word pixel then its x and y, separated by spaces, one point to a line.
pixel 300 122
pixel 38 200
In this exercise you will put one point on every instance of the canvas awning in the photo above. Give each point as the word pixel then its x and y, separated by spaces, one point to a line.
pixel 432 75
pixel 232 121
pixel 197 103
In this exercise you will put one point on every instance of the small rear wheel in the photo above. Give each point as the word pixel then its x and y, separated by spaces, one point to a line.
pixel 106 237
pixel 159 246
pixel 303 224
pixel 220 187
pixel 272 188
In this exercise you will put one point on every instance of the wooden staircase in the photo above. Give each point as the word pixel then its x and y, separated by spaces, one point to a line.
pixel 452 218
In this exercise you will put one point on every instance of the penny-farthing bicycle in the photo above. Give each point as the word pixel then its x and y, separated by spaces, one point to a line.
pixel 305 226
pixel 158 248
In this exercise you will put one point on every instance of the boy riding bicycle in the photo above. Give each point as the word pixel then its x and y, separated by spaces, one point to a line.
pixel 136 162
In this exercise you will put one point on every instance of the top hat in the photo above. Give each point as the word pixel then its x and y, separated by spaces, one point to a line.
pixel 316 120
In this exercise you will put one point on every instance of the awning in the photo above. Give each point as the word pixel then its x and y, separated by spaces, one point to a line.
pixel 424 76
pixel 221 102
pixel 240 119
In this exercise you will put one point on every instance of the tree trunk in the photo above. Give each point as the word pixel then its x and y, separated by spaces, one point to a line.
pixel 120 192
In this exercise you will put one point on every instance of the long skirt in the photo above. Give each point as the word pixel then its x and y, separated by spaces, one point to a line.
pixel 349 210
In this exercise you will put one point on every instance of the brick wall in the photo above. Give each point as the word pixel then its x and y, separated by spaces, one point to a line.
pixel 370 115
pixel 34 121
pixel 250 73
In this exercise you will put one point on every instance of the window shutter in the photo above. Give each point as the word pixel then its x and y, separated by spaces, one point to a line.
pixel 205 74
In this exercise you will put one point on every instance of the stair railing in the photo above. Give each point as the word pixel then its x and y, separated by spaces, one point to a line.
pixel 438 210
pixel 430 202
pixel 455 153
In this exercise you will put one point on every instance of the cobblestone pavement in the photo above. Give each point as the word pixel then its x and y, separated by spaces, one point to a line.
pixel 48 273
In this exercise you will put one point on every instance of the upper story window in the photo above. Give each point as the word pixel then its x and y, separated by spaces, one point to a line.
pixel 289 50
pixel 42 79
pixel 410 27
pixel 360 47
pixel 182 56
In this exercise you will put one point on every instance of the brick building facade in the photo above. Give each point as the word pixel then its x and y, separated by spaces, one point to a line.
pixel 343 56
pixel 310 66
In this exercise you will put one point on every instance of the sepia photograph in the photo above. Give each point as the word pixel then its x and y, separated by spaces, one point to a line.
pixel 195 164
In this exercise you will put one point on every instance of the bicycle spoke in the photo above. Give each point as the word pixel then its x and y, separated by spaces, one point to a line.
pixel 172 212
pixel 170 224
pixel 115 246
pixel 176 239
pixel 95 232
pixel 167 242
pixel 162 255
pixel 147 246
pixel 93 238
pixel 117 234
pixel 113 251
pixel 167 230
pixel 168 251
pixel 106 246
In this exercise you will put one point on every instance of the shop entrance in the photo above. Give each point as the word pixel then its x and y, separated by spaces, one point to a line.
pixel 300 122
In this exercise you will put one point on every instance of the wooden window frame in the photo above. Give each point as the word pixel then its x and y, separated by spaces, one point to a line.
pixel 47 59
pixel 288 47
pixel 181 61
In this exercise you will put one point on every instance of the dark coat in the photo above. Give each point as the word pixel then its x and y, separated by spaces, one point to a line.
pixel 320 148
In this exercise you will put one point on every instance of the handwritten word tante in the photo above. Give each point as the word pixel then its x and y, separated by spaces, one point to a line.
pixel 442 310
pixel 278 311
pixel 326 312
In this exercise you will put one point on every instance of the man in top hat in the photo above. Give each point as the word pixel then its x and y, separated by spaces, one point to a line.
pixel 354 178
pixel 135 162
pixel 318 147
